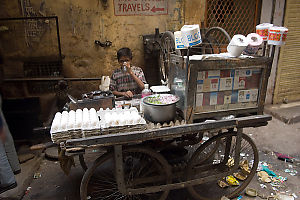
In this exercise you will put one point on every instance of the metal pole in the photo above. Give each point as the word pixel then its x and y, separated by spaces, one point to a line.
pixel 58 37
pixel 50 79
pixel 24 18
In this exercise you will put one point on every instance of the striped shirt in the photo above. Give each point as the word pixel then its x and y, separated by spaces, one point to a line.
pixel 121 81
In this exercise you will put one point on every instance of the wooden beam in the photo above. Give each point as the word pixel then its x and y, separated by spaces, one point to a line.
pixel 278 21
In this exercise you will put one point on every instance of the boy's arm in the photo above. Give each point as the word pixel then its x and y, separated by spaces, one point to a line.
pixel 128 94
pixel 137 80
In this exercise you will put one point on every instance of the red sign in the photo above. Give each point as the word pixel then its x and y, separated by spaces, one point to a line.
pixel 140 7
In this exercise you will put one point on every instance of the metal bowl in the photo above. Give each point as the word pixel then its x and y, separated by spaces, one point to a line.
pixel 159 113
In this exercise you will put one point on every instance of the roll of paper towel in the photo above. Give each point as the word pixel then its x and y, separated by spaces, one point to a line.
pixel 277 35
pixel 179 40
pixel 263 30
pixel 237 45
pixel 255 41
pixel 191 35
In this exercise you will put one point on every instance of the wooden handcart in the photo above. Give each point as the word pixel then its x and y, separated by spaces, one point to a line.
pixel 134 167
pixel 145 165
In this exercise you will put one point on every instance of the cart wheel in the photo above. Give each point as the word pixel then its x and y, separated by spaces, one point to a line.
pixel 82 162
pixel 167 47
pixel 212 159
pixel 140 164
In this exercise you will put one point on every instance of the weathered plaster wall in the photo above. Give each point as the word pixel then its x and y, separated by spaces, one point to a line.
pixel 83 22
pixel 195 11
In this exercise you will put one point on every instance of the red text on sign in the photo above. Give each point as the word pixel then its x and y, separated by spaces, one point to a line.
pixel 132 7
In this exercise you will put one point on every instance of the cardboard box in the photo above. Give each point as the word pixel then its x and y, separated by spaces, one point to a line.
pixel 206 99
pixel 243 72
pixel 220 98
pixel 226 84
pixel 227 99
pixel 213 98
pixel 206 85
pixel 239 83
pixel 214 84
pixel 201 75
pixel 200 85
pixel 244 96
pixel 253 95
pixel 234 97
pixel 213 74
pixel 199 99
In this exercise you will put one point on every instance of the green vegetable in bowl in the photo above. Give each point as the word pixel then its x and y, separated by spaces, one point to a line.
pixel 161 99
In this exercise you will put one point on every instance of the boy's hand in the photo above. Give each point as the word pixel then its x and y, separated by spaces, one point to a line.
pixel 128 67
pixel 128 94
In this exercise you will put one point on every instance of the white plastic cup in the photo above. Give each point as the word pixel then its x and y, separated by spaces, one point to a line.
pixel 263 30
pixel 277 35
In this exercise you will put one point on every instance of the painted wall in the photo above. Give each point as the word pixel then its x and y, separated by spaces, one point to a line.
pixel 83 22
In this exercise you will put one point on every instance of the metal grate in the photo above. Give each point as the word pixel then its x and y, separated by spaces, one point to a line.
pixel 41 87
pixel 42 68
pixel 34 42
pixel 235 16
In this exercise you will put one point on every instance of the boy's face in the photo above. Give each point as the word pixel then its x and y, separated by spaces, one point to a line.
pixel 124 59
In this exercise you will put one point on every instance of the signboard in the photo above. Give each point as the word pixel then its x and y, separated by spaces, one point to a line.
pixel 140 7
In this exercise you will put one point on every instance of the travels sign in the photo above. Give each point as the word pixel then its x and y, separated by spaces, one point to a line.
pixel 140 7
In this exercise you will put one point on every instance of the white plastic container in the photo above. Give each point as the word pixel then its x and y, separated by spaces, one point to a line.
pixel 263 30
pixel 179 40
pixel 277 35
pixel 146 92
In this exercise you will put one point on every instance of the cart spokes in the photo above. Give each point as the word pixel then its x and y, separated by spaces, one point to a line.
pixel 141 167
pixel 217 156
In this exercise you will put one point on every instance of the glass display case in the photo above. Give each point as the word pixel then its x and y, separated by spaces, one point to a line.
pixel 212 86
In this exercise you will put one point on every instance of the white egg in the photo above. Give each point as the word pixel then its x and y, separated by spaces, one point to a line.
pixel 92 112
pixel 136 119
pixel 78 119
pixel 108 119
pixel 71 120
pixel 115 121
pixel 64 122
pixel 55 124
pixel 133 109
pixel 65 113
pixel 58 115
pixel 122 119
pixel 79 111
